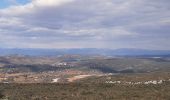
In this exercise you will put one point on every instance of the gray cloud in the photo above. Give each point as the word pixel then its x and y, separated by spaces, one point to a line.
pixel 87 23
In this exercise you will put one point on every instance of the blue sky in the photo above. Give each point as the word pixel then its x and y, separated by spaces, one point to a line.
pixel 8 3
pixel 109 24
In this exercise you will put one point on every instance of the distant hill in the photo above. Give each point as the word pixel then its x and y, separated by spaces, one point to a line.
pixel 85 51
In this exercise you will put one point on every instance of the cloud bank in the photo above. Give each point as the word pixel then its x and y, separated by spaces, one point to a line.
pixel 86 24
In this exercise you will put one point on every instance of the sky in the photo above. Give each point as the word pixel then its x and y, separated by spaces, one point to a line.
pixel 111 24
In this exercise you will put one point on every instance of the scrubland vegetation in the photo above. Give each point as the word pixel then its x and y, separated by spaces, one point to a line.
pixel 76 91
pixel 93 88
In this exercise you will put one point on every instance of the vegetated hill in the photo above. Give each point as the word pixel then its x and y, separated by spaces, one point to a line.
pixel 127 65
pixel 32 68
pixel 99 64
pixel 84 51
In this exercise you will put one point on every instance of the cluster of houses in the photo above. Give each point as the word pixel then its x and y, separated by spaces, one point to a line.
pixel 133 83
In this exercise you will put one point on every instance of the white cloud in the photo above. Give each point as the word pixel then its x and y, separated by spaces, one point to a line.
pixel 49 2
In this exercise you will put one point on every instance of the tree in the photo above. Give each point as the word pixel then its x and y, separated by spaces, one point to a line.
pixel 1 95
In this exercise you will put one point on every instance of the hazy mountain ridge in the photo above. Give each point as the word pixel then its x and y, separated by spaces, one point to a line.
pixel 85 51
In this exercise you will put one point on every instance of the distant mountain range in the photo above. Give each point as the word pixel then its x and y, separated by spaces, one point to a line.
pixel 85 51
